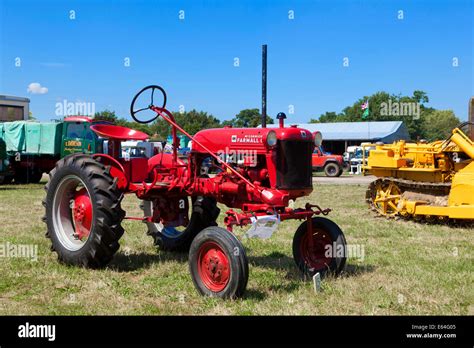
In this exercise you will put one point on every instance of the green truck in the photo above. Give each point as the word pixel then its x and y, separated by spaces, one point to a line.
pixel 32 148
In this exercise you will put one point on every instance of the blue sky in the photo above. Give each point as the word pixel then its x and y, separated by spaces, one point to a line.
pixel 193 59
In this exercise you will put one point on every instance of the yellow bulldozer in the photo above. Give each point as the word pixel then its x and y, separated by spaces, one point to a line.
pixel 424 181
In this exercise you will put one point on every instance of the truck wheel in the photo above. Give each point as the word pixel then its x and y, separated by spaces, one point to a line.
pixel 331 169
pixel 326 255
pixel 28 176
pixel 218 263
pixel 34 176
pixel 6 179
pixel 83 212
pixel 204 214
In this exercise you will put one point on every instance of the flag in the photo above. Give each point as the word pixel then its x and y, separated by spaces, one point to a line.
pixel 365 107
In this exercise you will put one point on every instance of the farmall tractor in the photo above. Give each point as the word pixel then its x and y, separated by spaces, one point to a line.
pixel 272 167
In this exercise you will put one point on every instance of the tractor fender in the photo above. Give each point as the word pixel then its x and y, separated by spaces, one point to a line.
pixel 116 169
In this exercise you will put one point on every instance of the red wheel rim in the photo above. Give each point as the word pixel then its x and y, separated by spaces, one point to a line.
pixel 314 256
pixel 213 266
pixel 82 213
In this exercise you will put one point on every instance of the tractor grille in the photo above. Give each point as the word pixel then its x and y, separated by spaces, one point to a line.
pixel 294 164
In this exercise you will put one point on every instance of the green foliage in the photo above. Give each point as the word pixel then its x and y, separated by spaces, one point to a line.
pixel 192 122
pixel 438 124
pixel 421 121
pixel 106 115
pixel 135 125
pixel 247 118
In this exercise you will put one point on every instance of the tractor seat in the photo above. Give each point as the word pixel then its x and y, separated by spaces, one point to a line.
pixel 119 133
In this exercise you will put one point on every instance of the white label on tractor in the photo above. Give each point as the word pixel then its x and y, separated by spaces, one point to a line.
pixel 263 226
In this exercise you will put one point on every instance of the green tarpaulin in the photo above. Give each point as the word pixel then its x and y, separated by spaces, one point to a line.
pixel 32 137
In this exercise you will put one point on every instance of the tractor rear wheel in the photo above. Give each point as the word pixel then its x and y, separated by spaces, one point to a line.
pixel 332 169
pixel 83 212
pixel 218 263
pixel 321 250
pixel 204 214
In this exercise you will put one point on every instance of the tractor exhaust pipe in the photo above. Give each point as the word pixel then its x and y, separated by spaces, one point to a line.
pixel 264 86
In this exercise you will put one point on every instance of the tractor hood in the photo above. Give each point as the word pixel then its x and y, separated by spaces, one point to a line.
pixel 255 139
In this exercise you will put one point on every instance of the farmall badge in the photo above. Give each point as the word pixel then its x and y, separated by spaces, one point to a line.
pixel 303 134
pixel 247 139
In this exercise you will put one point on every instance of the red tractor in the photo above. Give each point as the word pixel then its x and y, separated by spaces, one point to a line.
pixel 255 170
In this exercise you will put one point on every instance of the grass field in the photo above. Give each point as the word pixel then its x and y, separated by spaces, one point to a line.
pixel 407 268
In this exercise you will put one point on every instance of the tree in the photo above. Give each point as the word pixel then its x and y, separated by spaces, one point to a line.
pixel 106 115
pixel 247 118
pixel 142 127
pixel 328 116
pixel 388 107
pixel 438 124
pixel 192 122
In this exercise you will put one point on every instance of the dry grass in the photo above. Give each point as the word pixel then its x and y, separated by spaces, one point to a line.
pixel 408 268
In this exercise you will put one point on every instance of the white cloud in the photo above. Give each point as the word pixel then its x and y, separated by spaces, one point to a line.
pixel 36 88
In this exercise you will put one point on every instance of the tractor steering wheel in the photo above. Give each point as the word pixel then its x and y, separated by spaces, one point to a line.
pixel 153 88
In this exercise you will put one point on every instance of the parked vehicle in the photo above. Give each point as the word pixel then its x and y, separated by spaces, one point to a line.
pixel 83 209
pixel 332 165
pixel 355 157
pixel 423 181
pixel 33 148
pixel 3 163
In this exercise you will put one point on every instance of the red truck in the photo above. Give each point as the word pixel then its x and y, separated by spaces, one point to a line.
pixel 331 164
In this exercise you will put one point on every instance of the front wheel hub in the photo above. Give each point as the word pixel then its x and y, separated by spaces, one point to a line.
pixel 313 248
pixel 214 266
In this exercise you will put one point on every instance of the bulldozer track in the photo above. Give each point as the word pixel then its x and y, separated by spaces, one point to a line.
pixel 429 191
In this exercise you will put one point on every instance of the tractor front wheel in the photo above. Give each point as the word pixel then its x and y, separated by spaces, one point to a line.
pixel 218 264
pixel 319 250
pixel 83 212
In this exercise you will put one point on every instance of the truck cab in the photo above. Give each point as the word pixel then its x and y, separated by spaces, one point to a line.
pixel 78 136
pixel 332 165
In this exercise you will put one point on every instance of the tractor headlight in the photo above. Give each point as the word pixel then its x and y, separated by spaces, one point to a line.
pixel 318 138
pixel 271 139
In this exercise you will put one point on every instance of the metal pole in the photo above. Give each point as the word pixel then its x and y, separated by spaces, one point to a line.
pixel 264 86
pixel 470 118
